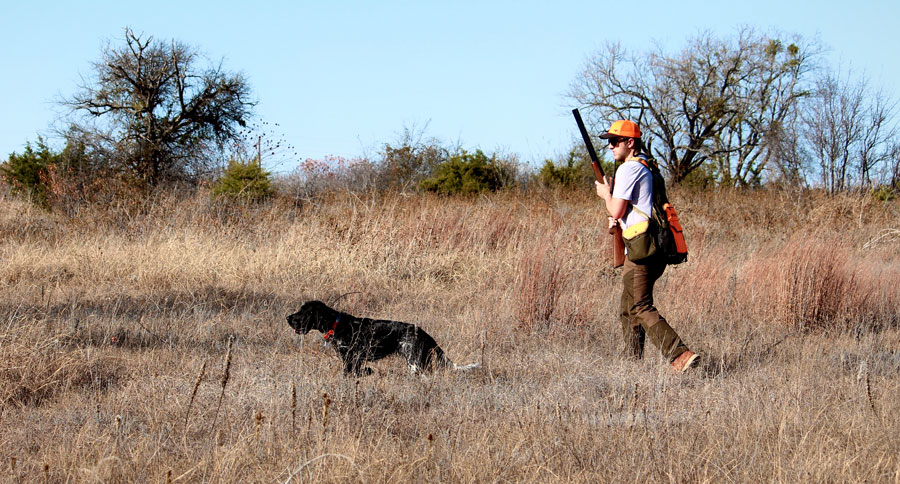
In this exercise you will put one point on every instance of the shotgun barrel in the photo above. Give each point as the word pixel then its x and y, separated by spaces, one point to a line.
pixel 618 245
pixel 595 162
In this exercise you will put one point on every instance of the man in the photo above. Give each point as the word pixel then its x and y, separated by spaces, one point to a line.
pixel 634 188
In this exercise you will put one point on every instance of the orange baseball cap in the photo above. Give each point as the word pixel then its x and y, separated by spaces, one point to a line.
pixel 624 129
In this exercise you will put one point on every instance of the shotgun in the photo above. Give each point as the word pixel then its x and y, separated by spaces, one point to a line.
pixel 618 245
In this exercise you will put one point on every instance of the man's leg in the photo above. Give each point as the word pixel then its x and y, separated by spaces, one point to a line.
pixel 643 277
pixel 632 332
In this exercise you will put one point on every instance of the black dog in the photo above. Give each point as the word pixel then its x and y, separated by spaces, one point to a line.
pixel 358 340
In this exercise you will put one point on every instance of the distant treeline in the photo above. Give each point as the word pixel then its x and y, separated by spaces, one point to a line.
pixel 747 110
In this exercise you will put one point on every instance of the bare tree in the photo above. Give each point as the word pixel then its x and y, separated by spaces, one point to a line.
pixel 765 100
pixel 788 158
pixel 879 139
pixel 156 113
pixel 849 130
pixel 832 125
pixel 895 166
pixel 718 101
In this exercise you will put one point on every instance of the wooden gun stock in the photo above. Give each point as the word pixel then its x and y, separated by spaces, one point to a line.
pixel 618 245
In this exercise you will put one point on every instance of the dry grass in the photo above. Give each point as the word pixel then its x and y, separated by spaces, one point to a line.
pixel 147 343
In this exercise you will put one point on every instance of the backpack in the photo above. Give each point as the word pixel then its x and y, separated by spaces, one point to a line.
pixel 670 244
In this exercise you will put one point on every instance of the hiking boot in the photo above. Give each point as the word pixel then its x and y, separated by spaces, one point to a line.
pixel 684 361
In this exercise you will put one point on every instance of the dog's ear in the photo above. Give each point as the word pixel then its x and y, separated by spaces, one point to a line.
pixel 306 308
pixel 316 308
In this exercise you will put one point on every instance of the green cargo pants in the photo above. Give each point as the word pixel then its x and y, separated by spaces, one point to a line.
pixel 640 318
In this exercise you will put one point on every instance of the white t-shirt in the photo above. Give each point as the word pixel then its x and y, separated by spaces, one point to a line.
pixel 634 183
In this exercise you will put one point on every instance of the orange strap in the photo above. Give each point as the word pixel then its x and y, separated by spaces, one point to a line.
pixel 641 161
pixel 330 332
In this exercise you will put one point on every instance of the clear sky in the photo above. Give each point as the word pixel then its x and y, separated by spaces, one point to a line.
pixel 344 77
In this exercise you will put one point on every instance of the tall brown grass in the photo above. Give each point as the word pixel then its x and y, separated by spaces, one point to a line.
pixel 146 342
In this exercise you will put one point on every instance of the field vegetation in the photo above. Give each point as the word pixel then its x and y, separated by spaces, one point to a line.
pixel 146 341
pixel 148 262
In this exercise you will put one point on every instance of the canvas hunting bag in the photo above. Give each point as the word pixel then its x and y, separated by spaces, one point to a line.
pixel 640 238
pixel 661 234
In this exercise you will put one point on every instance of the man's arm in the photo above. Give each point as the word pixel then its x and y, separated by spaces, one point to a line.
pixel 615 206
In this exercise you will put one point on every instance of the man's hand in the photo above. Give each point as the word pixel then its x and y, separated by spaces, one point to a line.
pixel 603 189
pixel 613 222
pixel 615 206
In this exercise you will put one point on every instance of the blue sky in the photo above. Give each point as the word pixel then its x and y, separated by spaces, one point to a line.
pixel 343 78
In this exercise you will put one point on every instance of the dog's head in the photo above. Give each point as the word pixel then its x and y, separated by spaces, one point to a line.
pixel 312 315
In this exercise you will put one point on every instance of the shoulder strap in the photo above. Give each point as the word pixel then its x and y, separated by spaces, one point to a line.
pixel 640 212
pixel 642 161
pixel 660 195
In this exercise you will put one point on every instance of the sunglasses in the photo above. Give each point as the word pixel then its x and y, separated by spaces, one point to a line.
pixel 616 141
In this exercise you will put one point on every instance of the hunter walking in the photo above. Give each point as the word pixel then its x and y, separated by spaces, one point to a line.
pixel 628 204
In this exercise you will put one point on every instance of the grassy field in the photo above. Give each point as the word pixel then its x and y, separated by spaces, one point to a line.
pixel 147 343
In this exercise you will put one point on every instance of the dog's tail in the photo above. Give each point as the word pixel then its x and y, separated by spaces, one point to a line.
pixel 470 366
pixel 445 362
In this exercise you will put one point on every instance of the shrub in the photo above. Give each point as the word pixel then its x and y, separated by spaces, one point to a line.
pixel 469 173
pixel 27 173
pixel 569 172
pixel 245 180
pixel 703 177
pixel 316 177
pixel 62 181
pixel 410 160
pixel 885 193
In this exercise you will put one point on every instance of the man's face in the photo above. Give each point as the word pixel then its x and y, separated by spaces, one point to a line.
pixel 621 148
